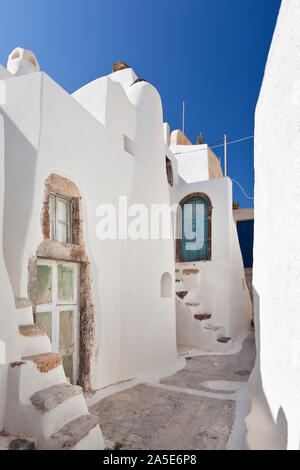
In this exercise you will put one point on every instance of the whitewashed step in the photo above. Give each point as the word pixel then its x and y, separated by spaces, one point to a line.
pixel 93 441
pixel 25 316
pixel 192 304
pixel 179 286
pixel 34 340
pixel 32 330
pixel 213 327
pixel 45 362
pixel 32 379
pixel 49 398
pixel 74 431
pixel 53 420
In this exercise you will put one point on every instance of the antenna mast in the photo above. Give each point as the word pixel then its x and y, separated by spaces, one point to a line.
pixel 225 154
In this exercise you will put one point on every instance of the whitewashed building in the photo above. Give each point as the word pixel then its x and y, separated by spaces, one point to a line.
pixel 79 310
pixel 213 306
pixel 273 422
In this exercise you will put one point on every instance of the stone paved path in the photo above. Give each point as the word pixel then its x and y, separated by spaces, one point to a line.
pixel 200 404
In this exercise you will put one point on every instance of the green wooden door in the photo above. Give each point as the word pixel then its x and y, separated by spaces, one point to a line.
pixel 57 309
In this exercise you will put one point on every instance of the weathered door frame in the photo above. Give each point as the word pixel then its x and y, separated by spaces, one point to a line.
pixel 56 307
pixel 179 225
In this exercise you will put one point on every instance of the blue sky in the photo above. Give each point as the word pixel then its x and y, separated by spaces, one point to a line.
pixel 210 53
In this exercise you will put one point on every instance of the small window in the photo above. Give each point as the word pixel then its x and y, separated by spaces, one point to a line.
pixel 60 219
pixel 169 170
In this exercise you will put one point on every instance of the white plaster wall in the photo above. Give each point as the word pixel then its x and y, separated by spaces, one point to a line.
pixel 196 162
pixel 48 131
pixel 143 262
pixel 275 383
pixel 223 291
pixel 9 344
pixel 192 161
pixel 4 73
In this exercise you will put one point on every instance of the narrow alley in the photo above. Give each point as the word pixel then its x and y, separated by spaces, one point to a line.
pixel 199 404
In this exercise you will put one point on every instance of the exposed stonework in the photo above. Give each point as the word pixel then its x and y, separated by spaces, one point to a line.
pixel 45 362
pixel 49 398
pixel 188 272
pixel 32 330
pixel 50 249
pixel 72 252
pixel 76 430
pixel 120 65
pixel 32 281
pixel 192 304
pixel 87 330
pixel 202 316
pixel 64 187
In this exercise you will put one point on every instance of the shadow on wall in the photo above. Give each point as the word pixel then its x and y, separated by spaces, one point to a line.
pixel 20 169
pixel 262 431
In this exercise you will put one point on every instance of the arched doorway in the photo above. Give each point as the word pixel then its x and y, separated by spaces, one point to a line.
pixel 195 228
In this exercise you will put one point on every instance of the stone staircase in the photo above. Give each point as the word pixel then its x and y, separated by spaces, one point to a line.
pixel 195 327
pixel 43 404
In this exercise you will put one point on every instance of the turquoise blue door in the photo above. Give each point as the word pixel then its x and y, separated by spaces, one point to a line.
pixel 194 242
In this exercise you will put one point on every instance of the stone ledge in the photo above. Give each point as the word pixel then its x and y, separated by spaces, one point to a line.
pixel 188 272
pixel 202 316
pixel 45 362
pixel 74 431
pixel 32 330
pixel 49 398
pixel 213 327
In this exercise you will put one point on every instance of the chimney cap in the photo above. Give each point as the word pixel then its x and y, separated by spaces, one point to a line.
pixel 120 66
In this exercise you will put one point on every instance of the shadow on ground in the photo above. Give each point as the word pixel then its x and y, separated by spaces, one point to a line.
pixel 192 409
